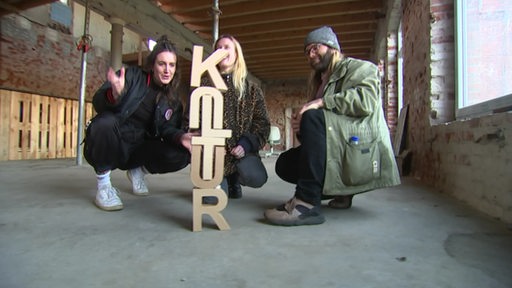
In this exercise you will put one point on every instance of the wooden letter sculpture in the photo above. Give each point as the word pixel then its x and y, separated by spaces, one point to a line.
pixel 207 163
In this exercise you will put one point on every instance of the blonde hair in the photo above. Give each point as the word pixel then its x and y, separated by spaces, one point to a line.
pixel 315 79
pixel 240 68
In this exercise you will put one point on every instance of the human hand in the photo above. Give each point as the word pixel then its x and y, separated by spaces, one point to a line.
pixel 238 151
pixel 186 140
pixel 315 104
pixel 117 82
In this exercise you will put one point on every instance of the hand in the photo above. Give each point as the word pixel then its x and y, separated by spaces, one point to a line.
pixel 186 140
pixel 238 151
pixel 296 118
pixel 117 82
pixel 315 104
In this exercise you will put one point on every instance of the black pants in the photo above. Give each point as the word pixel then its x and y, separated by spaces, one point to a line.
pixel 305 165
pixel 109 146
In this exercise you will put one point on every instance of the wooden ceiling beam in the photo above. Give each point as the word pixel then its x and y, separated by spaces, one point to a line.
pixel 308 24
pixel 241 16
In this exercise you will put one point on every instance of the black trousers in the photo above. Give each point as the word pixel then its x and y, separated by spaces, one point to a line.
pixel 305 165
pixel 109 146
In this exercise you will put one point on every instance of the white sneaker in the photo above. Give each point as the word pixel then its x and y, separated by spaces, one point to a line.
pixel 107 199
pixel 136 176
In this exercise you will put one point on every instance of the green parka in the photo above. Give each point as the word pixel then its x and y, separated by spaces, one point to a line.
pixel 353 107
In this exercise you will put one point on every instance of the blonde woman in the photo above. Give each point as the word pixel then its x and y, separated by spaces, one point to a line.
pixel 245 114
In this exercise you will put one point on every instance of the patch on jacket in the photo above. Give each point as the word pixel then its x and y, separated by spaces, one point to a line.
pixel 168 114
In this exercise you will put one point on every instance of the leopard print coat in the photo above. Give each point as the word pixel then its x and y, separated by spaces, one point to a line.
pixel 246 118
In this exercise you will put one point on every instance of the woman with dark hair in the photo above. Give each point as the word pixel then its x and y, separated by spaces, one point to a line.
pixel 138 126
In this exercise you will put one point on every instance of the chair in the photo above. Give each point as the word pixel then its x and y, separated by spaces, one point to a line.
pixel 274 138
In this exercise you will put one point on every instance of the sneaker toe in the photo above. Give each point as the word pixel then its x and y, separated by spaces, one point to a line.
pixel 298 215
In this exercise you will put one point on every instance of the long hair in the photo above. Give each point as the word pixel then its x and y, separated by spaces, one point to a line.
pixel 162 45
pixel 240 68
pixel 315 78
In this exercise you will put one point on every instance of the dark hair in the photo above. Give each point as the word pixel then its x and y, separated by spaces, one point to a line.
pixel 162 45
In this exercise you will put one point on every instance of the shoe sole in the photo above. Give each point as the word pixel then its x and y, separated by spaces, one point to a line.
pixel 311 220
pixel 109 208
pixel 308 221
pixel 335 204
pixel 135 193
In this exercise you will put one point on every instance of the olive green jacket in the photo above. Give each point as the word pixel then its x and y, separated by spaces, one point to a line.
pixel 353 107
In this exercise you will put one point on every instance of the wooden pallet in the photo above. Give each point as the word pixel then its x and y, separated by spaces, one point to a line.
pixel 38 127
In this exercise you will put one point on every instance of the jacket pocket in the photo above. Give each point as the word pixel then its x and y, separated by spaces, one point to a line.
pixel 361 163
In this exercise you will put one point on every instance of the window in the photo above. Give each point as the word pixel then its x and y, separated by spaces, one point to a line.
pixel 400 65
pixel 484 61
pixel 61 16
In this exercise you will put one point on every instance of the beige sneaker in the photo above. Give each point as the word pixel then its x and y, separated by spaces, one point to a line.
pixel 107 199
pixel 295 212
pixel 136 177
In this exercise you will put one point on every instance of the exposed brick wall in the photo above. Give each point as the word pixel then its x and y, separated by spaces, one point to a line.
pixel 280 95
pixel 416 83
pixel 442 60
pixel 40 60
pixel 390 93
pixel 472 159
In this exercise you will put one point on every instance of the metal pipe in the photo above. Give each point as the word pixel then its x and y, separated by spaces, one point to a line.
pixel 81 99
pixel 216 13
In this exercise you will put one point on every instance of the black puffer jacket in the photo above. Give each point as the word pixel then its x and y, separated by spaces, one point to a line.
pixel 167 118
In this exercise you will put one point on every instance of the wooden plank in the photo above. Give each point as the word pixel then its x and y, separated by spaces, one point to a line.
pixel 73 133
pixel 68 127
pixel 43 128
pixel 53 113
pixel 397 142
pixel 60 128
pixel 20 129
pixel 38 127
pixel 33 123
pixel 5 120
pixel 14 127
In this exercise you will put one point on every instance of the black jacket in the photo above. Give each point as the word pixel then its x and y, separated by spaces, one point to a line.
pixel 167 117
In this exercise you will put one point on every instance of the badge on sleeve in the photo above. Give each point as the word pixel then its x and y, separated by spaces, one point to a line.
pixel 168 114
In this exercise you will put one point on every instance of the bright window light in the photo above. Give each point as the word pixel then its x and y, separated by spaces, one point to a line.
pixel 151 44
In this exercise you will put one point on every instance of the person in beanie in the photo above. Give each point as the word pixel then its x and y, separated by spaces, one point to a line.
pixel 138 127
pixel 345 146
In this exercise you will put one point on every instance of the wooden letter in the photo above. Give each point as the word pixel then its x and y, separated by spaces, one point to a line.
pixel 207 163
pixel 199 67
pixel 212 210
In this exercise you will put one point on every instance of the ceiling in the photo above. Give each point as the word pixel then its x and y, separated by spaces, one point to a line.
pixel 271 32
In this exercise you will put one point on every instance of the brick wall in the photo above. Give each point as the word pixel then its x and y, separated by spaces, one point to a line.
pixel 390 83
pixel 38 59
pixel 472 159
pixel 280 95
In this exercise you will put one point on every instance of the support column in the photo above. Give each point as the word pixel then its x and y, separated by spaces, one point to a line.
pixel 215 25
pixel 116 43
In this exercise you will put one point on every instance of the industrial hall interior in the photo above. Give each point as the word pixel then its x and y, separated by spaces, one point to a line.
pixel 431 206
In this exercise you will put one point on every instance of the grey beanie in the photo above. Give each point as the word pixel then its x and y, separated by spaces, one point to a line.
pixel 324 35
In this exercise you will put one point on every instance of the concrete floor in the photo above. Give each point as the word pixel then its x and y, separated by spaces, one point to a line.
pixel 51 235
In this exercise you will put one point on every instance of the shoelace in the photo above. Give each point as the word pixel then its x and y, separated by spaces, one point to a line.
pixel 112 192
pixel 140 184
